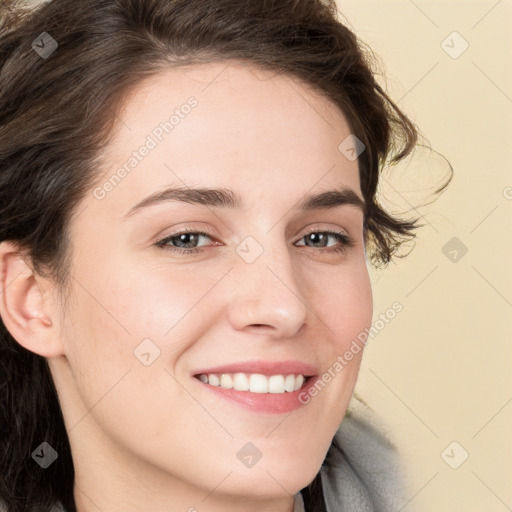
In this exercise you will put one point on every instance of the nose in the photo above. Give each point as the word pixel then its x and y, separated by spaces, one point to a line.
pixel 268 297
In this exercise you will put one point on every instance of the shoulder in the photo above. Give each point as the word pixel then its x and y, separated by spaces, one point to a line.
pixel 362 470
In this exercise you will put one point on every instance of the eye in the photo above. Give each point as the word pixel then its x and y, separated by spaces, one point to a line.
pixel 185 237
pixel 191 237
pixel 322 237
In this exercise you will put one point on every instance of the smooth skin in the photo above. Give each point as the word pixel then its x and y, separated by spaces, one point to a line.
pixel 151 438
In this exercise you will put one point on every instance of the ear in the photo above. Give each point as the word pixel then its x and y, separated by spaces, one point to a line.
pixel 26 307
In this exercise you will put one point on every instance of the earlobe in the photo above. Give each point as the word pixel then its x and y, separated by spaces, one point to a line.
pixel 24 311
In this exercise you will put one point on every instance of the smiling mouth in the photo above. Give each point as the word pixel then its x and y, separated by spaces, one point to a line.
pixel 256 382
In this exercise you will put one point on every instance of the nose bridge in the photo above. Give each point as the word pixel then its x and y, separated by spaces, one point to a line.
pixel 268 291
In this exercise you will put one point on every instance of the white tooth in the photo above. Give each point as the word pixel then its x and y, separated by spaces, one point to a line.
pixel 276 384
pixel 241 382
pixel 289 383
pixel 299 380
pixel 213 379
pixel 226 381
pixel 258 383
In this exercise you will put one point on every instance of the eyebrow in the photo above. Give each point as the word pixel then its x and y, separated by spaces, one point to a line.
pixel 226 198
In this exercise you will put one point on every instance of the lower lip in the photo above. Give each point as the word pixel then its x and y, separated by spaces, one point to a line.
pixel 272 403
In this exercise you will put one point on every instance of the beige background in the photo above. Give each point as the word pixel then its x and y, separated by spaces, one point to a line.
pixel 440 371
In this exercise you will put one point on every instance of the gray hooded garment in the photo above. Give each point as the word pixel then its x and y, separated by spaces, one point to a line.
pixel 366 475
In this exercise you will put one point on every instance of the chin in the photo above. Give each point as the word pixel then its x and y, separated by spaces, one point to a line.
pixel 273 479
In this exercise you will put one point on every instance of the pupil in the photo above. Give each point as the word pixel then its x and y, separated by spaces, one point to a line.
pixel 184 236
pixel 315 235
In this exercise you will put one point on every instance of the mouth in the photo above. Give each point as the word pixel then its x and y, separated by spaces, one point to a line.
pixel 258 393
pixel 256 382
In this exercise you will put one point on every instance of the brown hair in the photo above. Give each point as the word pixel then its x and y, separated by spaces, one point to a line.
pixel 57 112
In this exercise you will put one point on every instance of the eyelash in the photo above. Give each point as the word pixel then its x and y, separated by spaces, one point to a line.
pixel 346 241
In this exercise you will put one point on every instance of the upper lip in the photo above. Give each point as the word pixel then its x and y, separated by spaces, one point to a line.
pixel 263 367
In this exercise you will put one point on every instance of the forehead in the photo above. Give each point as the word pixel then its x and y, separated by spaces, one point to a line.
pixel 227 124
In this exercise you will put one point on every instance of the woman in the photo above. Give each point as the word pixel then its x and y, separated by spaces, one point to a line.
pixel 188 209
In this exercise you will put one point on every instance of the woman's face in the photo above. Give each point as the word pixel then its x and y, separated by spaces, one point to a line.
pixel 144 319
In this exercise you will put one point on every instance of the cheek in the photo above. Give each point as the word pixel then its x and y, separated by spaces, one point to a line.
pixel 109 367
pixel 345 312
pixel 98 347
pixel 346 305
pixel 123 311
pixel 100 328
